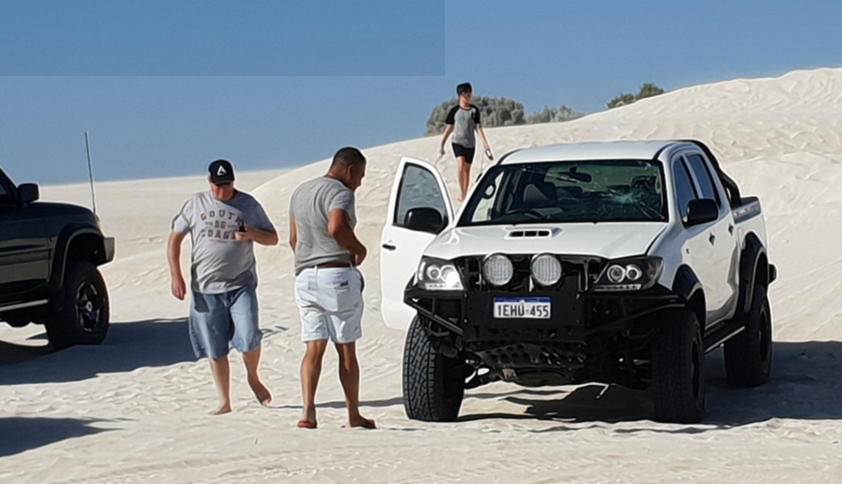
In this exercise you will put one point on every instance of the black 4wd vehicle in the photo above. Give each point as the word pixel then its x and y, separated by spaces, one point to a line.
pixel 49 253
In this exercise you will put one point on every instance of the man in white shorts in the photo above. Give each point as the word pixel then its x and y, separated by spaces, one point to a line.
pixel 328 285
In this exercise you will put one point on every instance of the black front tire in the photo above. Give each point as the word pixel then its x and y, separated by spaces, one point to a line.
pixel 748 356
pixel 84 317
pixel 433 384
pixel 678 364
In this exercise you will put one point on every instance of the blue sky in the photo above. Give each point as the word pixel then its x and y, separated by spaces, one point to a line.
pixel 346 72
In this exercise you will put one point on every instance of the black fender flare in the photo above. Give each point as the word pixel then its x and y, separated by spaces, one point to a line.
pixel 62 247
pixel 686 284
pixel 750 258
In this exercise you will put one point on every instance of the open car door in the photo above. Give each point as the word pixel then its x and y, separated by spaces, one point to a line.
pixel 417 193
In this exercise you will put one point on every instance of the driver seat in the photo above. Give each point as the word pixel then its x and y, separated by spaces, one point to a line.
pixel 538 194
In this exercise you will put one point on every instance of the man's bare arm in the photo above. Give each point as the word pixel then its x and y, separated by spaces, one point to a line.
pixel 293 234
pixel 485 141
pixel 447 132
pixel 341 231
pixel 177 286
pixel 262 237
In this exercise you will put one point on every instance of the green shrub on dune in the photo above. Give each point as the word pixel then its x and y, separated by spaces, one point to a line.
pixel 646 90
pixel 494 111
pixel 500 112
pixel 553 115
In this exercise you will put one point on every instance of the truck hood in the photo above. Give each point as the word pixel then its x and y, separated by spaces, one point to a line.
pixel 608 240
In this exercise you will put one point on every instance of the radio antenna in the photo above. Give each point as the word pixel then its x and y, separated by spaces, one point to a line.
pixel 90 171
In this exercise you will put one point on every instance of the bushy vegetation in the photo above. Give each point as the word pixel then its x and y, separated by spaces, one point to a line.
pixel 493 111
pixel 647 90
pixel 553 115
pixel 499 112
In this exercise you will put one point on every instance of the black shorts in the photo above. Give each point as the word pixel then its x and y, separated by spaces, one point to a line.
pixel 460 150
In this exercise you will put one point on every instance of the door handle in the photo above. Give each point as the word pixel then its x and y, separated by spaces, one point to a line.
pixel 712 239
pixel 389 247
pixel 731 229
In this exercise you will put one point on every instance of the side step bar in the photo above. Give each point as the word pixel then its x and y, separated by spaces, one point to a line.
pixel 722 334
pixel 25 305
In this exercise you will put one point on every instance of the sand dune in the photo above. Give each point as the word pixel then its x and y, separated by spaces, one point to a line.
pixel 133 409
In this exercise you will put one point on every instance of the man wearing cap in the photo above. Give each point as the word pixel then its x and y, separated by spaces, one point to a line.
pixel 223 224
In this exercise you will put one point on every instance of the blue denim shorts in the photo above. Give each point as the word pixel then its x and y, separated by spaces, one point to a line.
pixel 219 321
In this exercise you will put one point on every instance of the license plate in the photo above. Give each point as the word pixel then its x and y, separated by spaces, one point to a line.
pixel 522 308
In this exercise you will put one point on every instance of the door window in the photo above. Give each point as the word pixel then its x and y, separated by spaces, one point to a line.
pixel 684 191
pixel 700 169
pixel 418 189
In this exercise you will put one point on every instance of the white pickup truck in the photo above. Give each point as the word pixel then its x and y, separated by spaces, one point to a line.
pixel 622 263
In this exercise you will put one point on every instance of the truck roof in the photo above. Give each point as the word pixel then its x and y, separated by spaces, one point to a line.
pixel 609 150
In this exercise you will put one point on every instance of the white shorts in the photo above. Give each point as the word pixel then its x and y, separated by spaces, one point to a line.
pixel 331 304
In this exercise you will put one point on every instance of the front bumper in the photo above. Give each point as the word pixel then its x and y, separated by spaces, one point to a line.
pixel 574 316
pixel 583 339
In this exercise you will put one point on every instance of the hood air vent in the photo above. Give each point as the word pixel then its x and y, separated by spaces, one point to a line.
pixel 532 233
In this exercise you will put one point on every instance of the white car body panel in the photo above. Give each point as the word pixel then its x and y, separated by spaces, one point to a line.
pixel 606 240
pixel 401 251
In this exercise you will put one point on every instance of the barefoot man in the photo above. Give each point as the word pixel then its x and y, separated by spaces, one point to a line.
pixel 328 285
pixel 223 224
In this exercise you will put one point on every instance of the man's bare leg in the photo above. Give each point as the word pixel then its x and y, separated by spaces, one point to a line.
pixel 349 375
pixel 464 177
pixel 311 370
pixel 252 360
pixel 221 369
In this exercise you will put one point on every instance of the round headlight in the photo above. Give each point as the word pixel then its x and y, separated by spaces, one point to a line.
pixel 498 269
pixel 450 276
pixel 433 272
pixel 616 274
pixel 633 272
pixel 546 269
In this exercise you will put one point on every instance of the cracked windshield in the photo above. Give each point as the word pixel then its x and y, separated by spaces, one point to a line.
pixel 594 191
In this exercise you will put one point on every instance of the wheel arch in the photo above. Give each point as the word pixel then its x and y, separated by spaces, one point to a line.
pixel 754 270
pixel 687 285
pixel 80 242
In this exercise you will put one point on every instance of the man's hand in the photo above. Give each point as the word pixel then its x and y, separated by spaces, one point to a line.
pixel 251 234
pixel 360 256
pixel 179 288
pixel 341 231
pixel 243 236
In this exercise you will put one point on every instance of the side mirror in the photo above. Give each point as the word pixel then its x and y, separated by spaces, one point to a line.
pixel 424 220
pixel 701 211
pixel 28 193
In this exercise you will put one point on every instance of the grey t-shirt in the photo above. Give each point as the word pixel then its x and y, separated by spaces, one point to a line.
pixel 465 122
pixel 219 262
pixel 311 206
